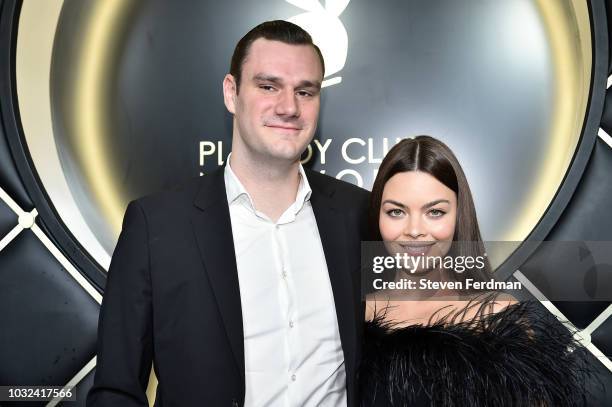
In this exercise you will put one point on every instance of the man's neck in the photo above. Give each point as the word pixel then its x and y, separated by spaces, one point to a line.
pixel 273 186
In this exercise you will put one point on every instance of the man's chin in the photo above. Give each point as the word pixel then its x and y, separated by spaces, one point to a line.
pixel 287 151
pixel 289 155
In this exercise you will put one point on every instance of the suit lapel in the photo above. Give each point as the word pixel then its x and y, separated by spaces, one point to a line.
pixel 213 231
pixel 332 229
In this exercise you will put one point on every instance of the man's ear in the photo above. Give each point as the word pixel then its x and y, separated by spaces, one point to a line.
pixel 229 92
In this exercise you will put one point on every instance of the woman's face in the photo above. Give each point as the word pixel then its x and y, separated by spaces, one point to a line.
pixel 418 214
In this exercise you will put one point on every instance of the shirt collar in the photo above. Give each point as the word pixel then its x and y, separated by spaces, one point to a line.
pixel 233 187
pixel 235 190
pixel 304 191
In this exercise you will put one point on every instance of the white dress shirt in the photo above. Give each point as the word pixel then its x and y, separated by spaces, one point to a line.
pixel 293 354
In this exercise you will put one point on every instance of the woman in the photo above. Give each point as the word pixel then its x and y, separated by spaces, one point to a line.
pixel 460 346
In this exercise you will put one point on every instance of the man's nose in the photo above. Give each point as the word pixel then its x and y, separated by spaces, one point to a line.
pixel 287 104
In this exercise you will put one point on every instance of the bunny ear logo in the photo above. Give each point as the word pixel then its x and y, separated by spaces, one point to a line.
pixel 327 31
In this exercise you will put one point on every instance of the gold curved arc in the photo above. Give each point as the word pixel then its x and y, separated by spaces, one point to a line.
pixel 572 81
pixel 90 106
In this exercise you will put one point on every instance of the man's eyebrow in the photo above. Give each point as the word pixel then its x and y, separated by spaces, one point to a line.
pixel 267 78
pixel 309 84
pixel 279 81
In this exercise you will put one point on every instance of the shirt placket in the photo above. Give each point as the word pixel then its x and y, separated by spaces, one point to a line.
pixel 291 315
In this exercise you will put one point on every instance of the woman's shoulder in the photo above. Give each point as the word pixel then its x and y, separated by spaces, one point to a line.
pixel 496 319
pixel 374 302
pixel 512 348
pixel 383 308
pixel 497 301
pixel 482 306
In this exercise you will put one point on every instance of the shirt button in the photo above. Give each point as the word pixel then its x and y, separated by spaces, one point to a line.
pixel 291 326
pixel 277 227
pixel 284 274
pixel 293 377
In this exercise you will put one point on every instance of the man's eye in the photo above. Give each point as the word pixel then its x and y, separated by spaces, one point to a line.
pixel 268 88
pixel 304 93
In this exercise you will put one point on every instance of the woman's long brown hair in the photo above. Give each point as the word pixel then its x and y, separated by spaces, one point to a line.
pixel 430 155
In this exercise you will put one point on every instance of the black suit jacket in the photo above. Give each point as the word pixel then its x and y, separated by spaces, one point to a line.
pixel 172 295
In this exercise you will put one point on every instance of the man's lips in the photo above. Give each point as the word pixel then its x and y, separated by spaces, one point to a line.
pixel 283 127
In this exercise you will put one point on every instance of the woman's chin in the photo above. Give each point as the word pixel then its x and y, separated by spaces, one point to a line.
pixel 421 272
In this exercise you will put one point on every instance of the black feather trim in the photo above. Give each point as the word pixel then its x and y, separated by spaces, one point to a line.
pixel 520 356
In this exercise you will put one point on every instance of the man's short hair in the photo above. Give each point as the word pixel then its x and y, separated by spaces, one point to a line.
pixel 277 30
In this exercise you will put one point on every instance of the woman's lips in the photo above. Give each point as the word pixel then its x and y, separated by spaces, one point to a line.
pixel 416 249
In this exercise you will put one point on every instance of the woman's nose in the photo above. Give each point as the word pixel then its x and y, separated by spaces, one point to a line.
pixel 414 227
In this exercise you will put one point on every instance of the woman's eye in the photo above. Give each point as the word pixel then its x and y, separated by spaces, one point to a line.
pixel 394 213
pixel 436 213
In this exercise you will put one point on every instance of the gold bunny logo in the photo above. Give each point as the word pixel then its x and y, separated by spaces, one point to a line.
pixel 327 31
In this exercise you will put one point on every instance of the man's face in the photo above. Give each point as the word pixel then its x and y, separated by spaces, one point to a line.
pixel 277 106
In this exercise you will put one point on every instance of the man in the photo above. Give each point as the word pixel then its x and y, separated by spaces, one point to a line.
pixel 242 287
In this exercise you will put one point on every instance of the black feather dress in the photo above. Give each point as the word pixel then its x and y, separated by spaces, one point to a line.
pixel 520 356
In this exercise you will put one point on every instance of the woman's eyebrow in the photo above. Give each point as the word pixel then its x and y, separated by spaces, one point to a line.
pixel 434 203
pixel 401 205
